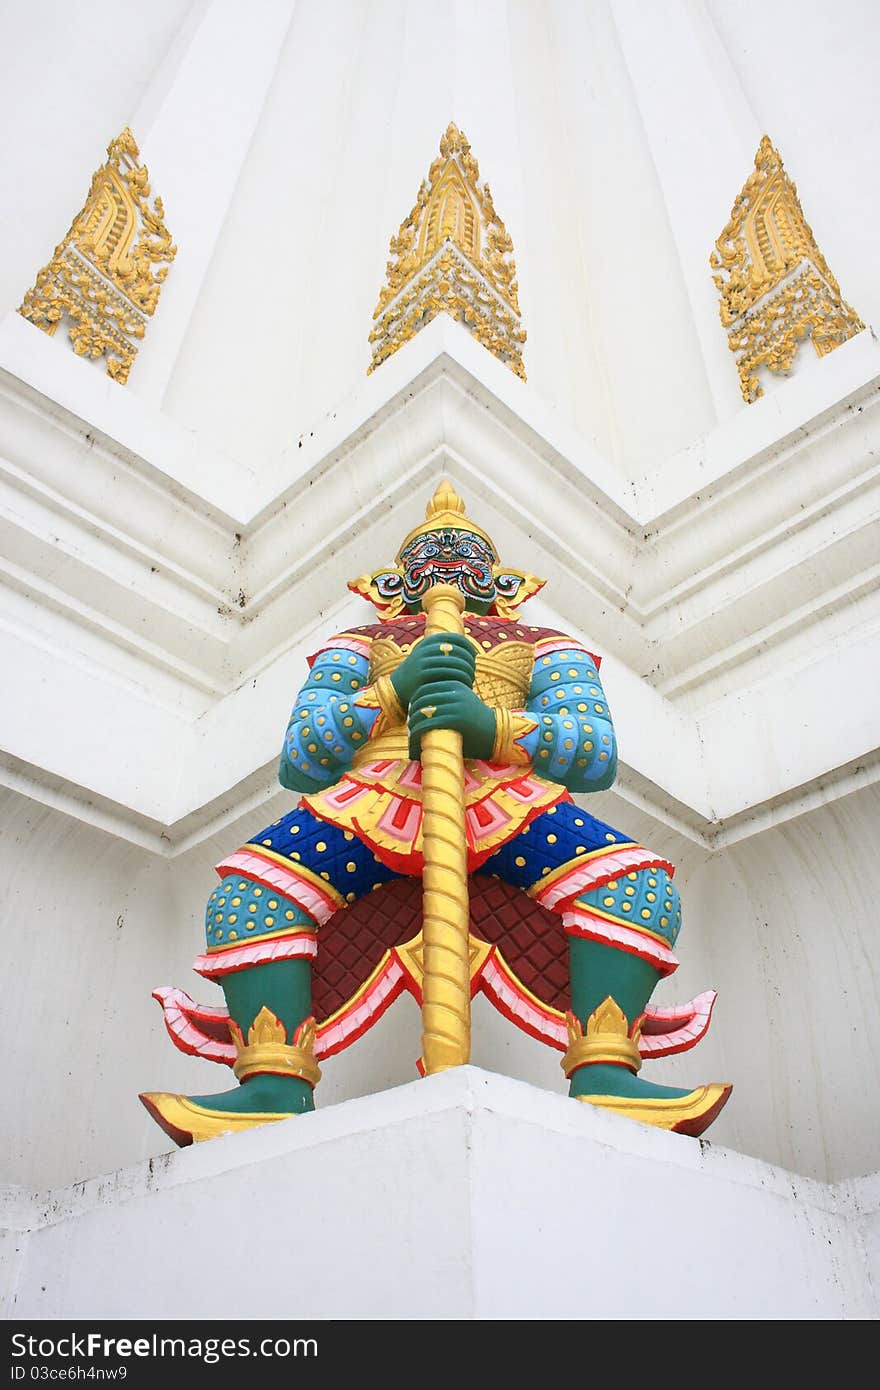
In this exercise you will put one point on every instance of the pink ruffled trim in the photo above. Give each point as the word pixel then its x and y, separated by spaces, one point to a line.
pixel 215 964
pixel 637 943
pixel 615 863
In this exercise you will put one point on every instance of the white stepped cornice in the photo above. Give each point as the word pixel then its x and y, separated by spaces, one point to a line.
pixel 168 586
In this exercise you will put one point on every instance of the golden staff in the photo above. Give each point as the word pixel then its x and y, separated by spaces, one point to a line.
pixel 446 982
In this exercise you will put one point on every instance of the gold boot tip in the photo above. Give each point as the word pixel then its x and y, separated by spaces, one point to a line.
pixel 689 1114
pixel 188 1123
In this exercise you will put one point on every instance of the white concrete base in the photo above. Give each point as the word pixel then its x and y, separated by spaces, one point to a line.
pixel 463 1196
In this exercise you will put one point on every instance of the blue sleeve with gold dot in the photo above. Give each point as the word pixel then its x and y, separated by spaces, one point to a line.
pixel 574 742
pixel 326 727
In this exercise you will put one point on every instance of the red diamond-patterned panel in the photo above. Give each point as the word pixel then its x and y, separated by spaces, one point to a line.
pixel 530 937
pixel 354 940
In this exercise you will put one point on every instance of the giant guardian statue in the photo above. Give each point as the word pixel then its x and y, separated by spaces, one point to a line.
pixel 435 844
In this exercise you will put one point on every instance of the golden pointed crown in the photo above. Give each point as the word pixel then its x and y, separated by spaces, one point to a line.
pixel 446 509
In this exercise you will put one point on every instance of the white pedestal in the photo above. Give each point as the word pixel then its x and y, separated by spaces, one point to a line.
pixel 463 1196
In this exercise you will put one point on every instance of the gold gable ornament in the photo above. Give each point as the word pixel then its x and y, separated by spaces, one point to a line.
pixel 105 276
pixel 776 287
pixel 452 255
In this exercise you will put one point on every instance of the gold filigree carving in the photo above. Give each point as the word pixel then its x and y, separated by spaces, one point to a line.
pixel 452 255
pixel 776 287
pixel 105 276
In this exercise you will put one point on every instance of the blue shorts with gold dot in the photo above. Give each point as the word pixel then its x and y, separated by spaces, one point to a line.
pixel 289 878
pixel 294 875
pixel 604 885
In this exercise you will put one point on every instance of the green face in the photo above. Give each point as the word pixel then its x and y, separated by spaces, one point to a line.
pixel 449 555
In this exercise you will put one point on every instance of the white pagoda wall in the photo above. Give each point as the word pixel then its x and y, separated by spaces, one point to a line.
pixel 314 223
pixel 785 73
pixel 56 123
pixel 613 173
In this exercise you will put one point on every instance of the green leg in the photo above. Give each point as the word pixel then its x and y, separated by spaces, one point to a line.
pixel 285 988
pixel 597 971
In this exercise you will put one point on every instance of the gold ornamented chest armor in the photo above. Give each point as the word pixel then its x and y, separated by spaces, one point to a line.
pixel 502 677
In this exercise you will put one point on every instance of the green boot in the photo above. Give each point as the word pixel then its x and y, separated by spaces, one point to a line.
pixel 274 1034
pixel 609 991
